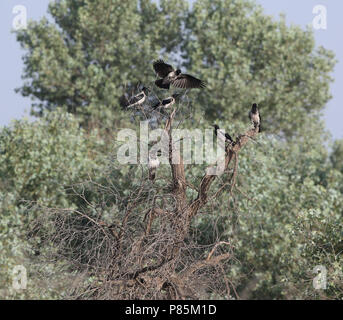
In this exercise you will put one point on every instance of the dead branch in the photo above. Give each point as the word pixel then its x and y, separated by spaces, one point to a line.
pixel 147 250
pixel 177 167
pixel 208 179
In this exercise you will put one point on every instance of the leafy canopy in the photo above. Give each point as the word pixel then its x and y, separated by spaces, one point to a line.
pixel 94 51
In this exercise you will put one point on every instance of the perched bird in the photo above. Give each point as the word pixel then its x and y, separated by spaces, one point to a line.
pixel 153 164
pixel 138 99
pixel 167 102
pixel 220 134
pixel 170 76
pixel 255 118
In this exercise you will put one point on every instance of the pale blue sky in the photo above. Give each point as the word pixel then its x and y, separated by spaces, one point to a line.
pixel 12 105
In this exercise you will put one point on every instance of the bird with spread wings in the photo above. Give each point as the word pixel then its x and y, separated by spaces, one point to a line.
pixel 170 76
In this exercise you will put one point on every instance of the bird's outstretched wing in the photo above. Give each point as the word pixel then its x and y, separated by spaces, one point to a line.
pixel 186 81
pixel 162 69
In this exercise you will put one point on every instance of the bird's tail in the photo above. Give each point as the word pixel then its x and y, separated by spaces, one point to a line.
pixel 257 124
pixel 155 106
pixel 152 174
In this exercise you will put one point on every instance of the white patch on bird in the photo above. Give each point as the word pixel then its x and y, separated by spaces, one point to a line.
pixel 255 117
pixel 153 163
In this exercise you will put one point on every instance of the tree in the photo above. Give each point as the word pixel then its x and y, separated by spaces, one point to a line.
pixel 245 56
pixel 336 156
pixel 282 219
pixel 137 241
pixel 257 232
pixel 40 161
pixel 98 49
pixel 94 52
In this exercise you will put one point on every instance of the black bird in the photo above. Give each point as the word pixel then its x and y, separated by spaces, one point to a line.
pixel 170 76
pixel 219 133
pixel 255 118
pixel 167 102
pixel 138 99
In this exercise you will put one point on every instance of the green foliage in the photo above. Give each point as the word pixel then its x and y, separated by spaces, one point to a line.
pixel 10 243
pixel 284 219
pixel 37 161
pixel 246 56
pixel 97 50
pixel 336 156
